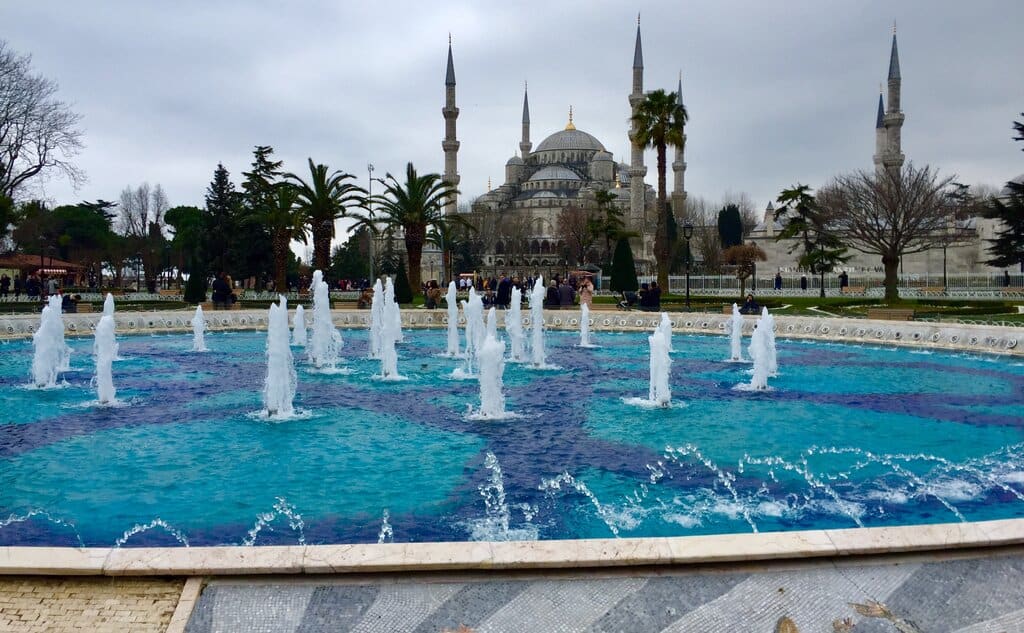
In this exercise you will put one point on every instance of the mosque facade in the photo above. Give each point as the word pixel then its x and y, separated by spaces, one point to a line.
pixel 566 169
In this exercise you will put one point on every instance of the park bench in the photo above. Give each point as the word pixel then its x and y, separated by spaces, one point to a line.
pixel 603 307
pixel 345 305
pixel 891 314
pixel 84 307
pixel 208 306
pixel 854 290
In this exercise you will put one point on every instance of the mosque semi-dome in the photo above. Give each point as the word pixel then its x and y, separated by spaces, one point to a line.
pixel 515 160
pixel 570 140
pixel 554 172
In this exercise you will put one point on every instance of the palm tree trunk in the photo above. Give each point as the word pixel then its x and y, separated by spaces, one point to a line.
pixel 321 247
pixel 280 263
pixel 414 238
pixel 661 245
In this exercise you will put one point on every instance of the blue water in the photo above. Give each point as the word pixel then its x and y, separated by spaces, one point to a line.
pixel 847 436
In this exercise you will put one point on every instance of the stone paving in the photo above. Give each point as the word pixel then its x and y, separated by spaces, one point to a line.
pixel 906 595
pixel 32 604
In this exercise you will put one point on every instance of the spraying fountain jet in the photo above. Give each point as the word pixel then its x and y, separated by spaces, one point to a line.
pixel 390 333
pixel 280 384
pixel 665 327
pixel 514 327
pixel 760 352
pixel 377 320
pixel 453 321
pixel 105 351
pixel 199 331
pixel 474 311
pixel 491 357
pixel 108 305
pixel 52 355
pixel 325 342
pixel 539 359
pixel 736 336
pixel 585 326
pixel 299 336
pixel 659 394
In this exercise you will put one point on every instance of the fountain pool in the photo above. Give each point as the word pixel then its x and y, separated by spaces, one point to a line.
pixel 848 436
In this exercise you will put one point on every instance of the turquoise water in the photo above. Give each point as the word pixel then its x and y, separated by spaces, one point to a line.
pixel 847 436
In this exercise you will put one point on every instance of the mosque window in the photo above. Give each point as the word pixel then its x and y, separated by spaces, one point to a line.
pixel 534 247
pixel 545 247
pixel 499 248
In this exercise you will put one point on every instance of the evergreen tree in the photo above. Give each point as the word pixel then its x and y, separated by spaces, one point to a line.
pixel 222 203
pixel 251 245
pixel 730 226
pixel 623 268
pixel 403 291
pixel 195 287
pixel 821 250
pixel 1007 249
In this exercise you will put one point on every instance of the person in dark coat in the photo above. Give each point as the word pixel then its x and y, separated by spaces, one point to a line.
pixel 504 296
pixel 566 295
pixel 750 306
pixel 803 282
pixel 221 293
pixel 778 280
pixel 551 298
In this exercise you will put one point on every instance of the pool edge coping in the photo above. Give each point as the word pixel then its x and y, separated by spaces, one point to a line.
pixel 506 555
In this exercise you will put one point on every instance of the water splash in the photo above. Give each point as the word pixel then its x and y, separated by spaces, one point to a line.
pixel 585 340
pixel 390 333
pixel 736 336
pixel 553 485
pixel 491 358
pixel 263 520
pixel 659 394
pixel 761 351
pixel 539 358
pixel 473 308
pixel 105 351
pixel 281 381
pixel 199 331
pixel 725 478
pixel 377 320
pixel 325 343
pixel 453 321
pixel 31 514
pixel 299 335
pixel 155 523
pixel 665 327
pixel 514 327
pixel 496 524
pixel 851 509
pixel 52 355
pixel 387 533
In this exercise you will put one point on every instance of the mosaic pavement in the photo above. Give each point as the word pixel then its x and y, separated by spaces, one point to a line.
pixel 914 595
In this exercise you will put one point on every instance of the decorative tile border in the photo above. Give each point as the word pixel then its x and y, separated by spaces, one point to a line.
pixel 952 336
pixel 411 557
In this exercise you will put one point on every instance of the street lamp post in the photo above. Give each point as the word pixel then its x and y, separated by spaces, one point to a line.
pixel 688 233
pixel 369 208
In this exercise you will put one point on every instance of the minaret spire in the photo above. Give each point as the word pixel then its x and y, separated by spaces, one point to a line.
pixel 637 170
pixel 450 144
pixel 890 158
pixel 525 145
pixel 679 164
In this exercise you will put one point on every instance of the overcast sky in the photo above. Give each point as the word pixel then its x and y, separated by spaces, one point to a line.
pixel 778 92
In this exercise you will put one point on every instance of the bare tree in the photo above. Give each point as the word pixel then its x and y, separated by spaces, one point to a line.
pixel 890 214
pixel 704 217
pixel 39 134
pixel 744 257
pixel 141 221
pixel 577 229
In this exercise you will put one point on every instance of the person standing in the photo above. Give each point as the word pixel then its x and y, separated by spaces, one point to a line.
pixel 566 295
pixel 221 293
pixel 1006 278
pixel 844 280
pixel 586 292
pixel 504 296
pixel 803 282
pixel 18 287
pixel 778 280
pixel 5 287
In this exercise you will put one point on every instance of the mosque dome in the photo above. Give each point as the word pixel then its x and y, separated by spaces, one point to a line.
pixel 554 172
pixel 603 156
pixel 515 160
pixel 570 139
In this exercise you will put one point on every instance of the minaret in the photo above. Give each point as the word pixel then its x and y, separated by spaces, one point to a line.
pixel 525 145
pixel 893 157
pixel 679 164
pixel 637 170
pixel 880 136
pixel 450 144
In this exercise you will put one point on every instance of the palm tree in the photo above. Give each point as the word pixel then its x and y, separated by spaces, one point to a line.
pixel 447 237
pixel 324 199
pixel 659 122
pixel 412 207
pixel 285 221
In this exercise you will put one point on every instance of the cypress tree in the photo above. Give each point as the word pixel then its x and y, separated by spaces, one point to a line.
pixel 730 226
pixel 403 291
pixel 623 268
pixel 195 287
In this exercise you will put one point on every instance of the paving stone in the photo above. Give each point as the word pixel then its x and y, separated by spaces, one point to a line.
pixel 663 600
pixel 472 605
pixel 337 608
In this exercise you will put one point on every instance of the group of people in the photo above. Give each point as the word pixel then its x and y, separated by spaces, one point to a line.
pixel 33 286
pixel 648 298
